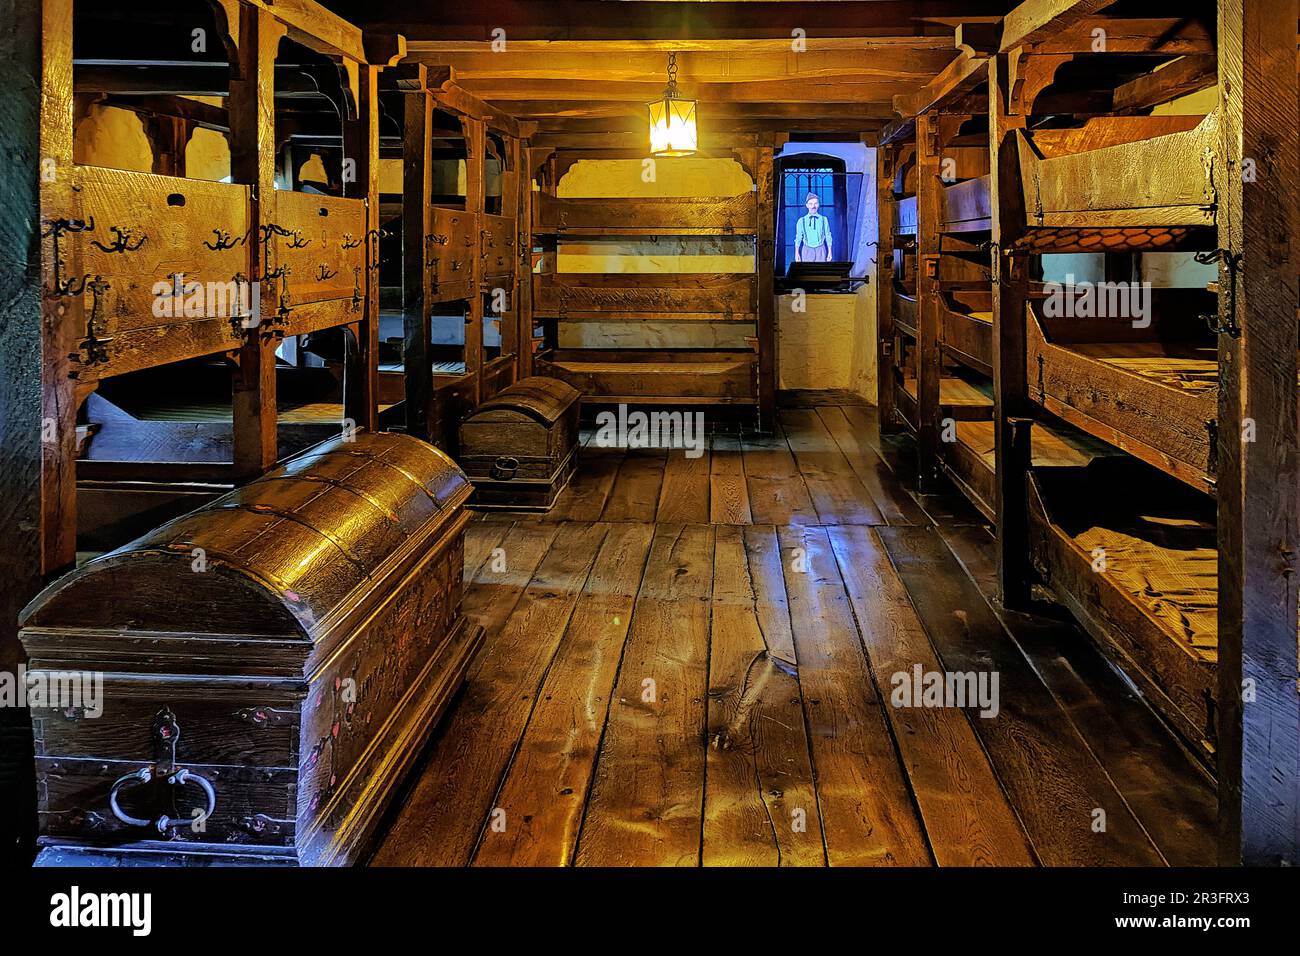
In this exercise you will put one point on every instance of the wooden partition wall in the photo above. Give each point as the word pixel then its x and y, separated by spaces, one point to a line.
pixel 1139 468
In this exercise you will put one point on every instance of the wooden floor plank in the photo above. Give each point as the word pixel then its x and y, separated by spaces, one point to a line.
pixel 868 817
pixel 684 496
pixel 452 800
pixel 760 804
pixel 648 791
pixel 547 783
pixel 967 817
pixel 728 493
pixel 481 539
pixel 846 426
pixel 635 493
pixel 777 493
pixel 1047 771
pixel 1169 793
pixel 898 451
pixel 836 492
pixel 588 490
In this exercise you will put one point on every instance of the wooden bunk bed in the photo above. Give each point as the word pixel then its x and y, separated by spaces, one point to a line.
pixel 1070 404
pixel 1133 572
pixel 896 310
pixel 200 294
pixel 461 318
pixel 1160 571
pixel 668 375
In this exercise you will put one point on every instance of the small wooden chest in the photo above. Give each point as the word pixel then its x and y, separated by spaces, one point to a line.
pixel 520 447
pixel 271 664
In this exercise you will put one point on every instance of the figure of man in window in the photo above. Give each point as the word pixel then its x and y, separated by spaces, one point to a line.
pixel 812 236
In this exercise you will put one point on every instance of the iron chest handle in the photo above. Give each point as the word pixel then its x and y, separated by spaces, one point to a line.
pixel 176 779
pixel 166 733
pixel 504 468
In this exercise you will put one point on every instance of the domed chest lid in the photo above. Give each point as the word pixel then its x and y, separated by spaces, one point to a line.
pixel 278 556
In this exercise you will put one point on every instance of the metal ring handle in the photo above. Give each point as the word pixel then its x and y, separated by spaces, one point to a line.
pixel 143 775
pixel 177 779
pixel 504 468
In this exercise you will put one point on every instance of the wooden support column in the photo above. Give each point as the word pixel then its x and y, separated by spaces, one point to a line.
pixel 361 144
pixel 886 213
pixel 417 290
pixel 1010 385
pixel 929 362
pixel 765 179
pixel 38 439
pixel 525 249
pixel 1258 743
pixel 476 206
pixel 40 347
pixel 252 161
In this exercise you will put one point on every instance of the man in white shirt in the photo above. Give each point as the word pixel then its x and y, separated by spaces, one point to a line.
pixel 812 236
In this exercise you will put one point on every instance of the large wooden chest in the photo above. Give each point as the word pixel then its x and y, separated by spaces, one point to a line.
pixel 271 664
pixel 520 447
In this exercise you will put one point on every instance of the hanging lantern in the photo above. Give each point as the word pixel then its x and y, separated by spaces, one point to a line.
pixel 672 120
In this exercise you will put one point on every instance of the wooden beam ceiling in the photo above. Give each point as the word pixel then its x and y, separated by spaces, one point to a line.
pixel 824 66
pixel 670 20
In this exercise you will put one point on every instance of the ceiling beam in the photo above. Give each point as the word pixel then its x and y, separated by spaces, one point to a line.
pixel 673 20
pixel 1168 35
pixel 734 67
pixel 604 91
pixel 1034 21
pixel 1187 74
pixel 788 112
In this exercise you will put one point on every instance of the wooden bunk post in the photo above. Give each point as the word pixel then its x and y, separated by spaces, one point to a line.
pixel 476 207
pixel 765 180
pixel 417 187
pixel 525 249
pixel 1258 742
pixel 361 144
pixel 252 161
pixel 1010 387
pixel 929 212
pixel 55 428
pixel 885 212
pixel 38 440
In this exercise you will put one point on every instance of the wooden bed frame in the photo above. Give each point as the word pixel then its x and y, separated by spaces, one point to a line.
pixel 669 375
pixel 1156 400
pixel 1120 568
pixel 151 269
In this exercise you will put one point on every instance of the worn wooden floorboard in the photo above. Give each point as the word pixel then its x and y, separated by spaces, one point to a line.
pixel 1169 793
pixel 635 492
pixel 647 796
pixel 547 782
pixel 1069 807
pixel 728 491
pixel 967 816
pixel 524 616
pixel 771 637
pixel 684 495
pixel 847 427
pixel 777 492
pixel 837 495
pixel 868 815
pixel 760 802
pixel 585 496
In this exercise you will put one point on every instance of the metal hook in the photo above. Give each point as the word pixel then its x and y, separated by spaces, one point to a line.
pixel 124 240
pixel 224 240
